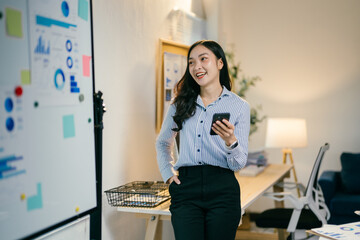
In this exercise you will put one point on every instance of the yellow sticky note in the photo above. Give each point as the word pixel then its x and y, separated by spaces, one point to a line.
pixel 22 196
pixel 13 22
pixel 25 77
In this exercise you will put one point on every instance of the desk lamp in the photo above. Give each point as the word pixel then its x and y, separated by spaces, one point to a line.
pixel 286 133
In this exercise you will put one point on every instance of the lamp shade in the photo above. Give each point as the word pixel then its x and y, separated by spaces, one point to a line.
pixel 286 133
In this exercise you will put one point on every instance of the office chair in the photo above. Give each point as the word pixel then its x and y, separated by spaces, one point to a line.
pixel 310 210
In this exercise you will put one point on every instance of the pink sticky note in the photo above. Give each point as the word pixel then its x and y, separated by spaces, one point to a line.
pixel 86 65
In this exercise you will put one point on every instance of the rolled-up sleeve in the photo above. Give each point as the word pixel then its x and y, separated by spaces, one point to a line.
pixel 165 145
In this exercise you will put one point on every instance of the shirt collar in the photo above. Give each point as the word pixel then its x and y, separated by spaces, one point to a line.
pixel 225 92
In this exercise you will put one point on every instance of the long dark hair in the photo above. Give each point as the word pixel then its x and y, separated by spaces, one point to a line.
pixel 187 89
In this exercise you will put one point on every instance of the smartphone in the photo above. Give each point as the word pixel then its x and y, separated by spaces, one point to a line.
pixel 220 117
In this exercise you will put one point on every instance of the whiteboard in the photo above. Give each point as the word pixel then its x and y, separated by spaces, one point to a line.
pixel 47 152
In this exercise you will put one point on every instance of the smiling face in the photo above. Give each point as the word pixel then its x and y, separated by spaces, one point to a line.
pixel 204 67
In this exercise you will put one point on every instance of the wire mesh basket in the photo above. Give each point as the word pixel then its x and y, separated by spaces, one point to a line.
pixel 138 194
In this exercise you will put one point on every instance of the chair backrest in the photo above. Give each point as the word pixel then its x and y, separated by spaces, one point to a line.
pixel 313 192
pixel 315 171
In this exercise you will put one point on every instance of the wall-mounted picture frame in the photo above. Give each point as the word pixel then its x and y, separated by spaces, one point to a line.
pixel 170 69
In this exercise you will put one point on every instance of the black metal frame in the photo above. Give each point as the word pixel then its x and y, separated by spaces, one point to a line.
pixel 95 216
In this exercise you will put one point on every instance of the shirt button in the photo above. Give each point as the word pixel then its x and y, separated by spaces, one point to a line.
pixel 199 163
pixel 199 135
pixel 198 150
pixel 204 110
pixel 201 121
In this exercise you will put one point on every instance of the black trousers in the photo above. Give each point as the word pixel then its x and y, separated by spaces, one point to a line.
pixel 206 205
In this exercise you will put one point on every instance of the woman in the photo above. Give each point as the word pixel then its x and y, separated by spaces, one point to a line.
pixel 205 195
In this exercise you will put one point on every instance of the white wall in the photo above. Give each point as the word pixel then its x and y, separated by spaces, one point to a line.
pixel 308 56
pixel 126 37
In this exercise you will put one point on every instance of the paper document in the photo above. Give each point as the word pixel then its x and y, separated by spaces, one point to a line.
pixel 251 170
pixel 344 231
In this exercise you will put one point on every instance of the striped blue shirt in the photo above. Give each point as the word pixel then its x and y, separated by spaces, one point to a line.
pixel 197 146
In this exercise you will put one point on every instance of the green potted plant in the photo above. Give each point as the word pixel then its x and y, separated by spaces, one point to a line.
pixel 241 85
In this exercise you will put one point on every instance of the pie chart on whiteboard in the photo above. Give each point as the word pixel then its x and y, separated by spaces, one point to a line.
pixel 59 79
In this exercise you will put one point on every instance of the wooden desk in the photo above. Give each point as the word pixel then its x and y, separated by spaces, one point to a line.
pixel 251 189
pixel 254 187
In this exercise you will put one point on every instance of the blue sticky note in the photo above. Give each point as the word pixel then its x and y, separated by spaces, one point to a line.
pixel 83 7
pixel 68 126
pixel 35 202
